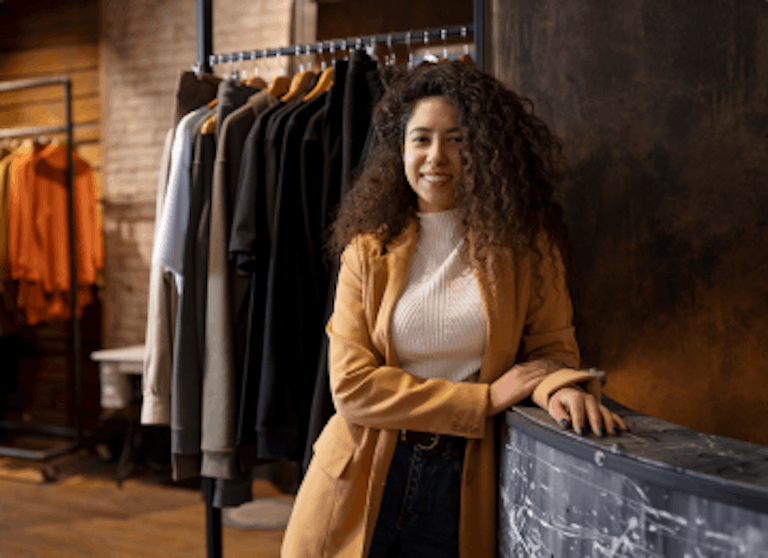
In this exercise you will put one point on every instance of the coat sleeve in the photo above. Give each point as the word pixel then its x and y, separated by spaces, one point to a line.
pixel 549 332
pixel 386 397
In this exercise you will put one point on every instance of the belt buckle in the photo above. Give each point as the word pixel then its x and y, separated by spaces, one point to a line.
pixel 433 445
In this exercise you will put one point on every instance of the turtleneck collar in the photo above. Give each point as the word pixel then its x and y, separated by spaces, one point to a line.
pixel 442 224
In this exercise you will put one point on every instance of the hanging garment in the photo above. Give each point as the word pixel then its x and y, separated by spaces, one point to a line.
pixel 38 232
pixel 227 294
pixel 248 251
pixel 240 232
pixel 346 129
pixel 158 345
pixel 313 185
pixel 191 94
pixel 362 90
pixel 189 368
pixel 263 189
pixel 186 374
pixel 174 221
pixel 232 95
pixel 5 167
pixel 294 308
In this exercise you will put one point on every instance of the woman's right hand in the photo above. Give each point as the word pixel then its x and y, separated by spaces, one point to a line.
pixel 518 382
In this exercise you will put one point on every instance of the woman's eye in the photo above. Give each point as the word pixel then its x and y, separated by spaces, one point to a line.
pixel 456 139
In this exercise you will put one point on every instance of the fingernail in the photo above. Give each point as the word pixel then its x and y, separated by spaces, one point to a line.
pixel 582 431
pixel 564 422
pixel 602 431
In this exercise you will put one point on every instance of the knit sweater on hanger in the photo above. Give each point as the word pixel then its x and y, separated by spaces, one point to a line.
pixel 439 323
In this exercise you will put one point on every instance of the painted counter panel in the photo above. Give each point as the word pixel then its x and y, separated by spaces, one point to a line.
pixel 629 496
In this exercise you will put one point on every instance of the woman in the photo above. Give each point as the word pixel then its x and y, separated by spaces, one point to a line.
pixel 451 305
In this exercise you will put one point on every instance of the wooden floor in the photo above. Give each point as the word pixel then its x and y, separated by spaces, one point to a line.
pixel 84 513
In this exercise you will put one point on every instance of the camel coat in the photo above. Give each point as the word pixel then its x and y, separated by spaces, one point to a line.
pixel 336 508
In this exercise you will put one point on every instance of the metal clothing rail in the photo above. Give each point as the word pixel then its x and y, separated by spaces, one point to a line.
pixel 424 36
pixel 206 60
pixel 66 127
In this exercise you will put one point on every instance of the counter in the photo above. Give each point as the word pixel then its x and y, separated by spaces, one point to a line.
pixel 660 490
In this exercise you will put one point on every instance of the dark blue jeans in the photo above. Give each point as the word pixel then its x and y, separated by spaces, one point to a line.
pixel 419 516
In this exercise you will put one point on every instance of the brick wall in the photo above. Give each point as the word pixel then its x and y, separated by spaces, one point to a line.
pixel 144 45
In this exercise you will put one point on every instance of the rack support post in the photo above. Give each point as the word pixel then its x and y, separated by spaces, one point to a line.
pixel 479 34
pixel 204 15
pixel 77 432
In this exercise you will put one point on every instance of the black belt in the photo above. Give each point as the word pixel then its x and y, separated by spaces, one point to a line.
pixel 433 443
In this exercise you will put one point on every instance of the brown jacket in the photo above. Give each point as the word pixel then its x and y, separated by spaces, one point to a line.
pixel 337 505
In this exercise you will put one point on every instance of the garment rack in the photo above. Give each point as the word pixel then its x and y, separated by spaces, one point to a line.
pixel 206 60
pixel 330 46
pixel 76 432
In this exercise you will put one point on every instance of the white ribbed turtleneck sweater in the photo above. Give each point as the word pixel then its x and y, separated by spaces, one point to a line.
pixel 438 324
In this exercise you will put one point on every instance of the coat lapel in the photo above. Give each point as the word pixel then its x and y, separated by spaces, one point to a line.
pixel 389 276
pixel 497 309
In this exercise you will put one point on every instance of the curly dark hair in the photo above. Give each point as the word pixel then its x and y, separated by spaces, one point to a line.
pixel 511 165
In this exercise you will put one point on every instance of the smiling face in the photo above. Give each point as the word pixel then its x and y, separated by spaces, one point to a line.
pixel 431 153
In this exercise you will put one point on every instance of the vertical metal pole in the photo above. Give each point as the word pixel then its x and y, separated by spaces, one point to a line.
pixel 204 35
pixel 212 521
pixel 479 35
pixel 204 51
pixel 76 341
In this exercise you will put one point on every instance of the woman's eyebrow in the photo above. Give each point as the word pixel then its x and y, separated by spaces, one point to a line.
pixel 422 129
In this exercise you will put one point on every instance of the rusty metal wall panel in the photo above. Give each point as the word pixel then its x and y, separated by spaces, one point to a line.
pixel 663 110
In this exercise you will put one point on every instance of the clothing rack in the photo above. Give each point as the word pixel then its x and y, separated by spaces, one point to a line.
pixel 206 59
pixel 74 432
pixel 403 37
pixel 205 62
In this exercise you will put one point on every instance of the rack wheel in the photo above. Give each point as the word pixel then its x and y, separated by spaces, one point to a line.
pixel 50 472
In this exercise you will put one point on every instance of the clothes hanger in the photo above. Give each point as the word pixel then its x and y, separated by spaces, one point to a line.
pixel 211 120
pixel 391 58
pixel 209 126
pixel 325 81
pixel 300 82
pixel 280 85
pixel 444 37
pixel 410 52
pixel 429 57
pixel 256 82
pixel 466 58
pixel 213 102
pixel 239 74
pixel 231 74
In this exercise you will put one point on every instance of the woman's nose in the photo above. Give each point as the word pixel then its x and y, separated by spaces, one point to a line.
pixel 436 152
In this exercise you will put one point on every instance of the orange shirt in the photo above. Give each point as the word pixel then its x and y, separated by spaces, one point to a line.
pixel 38 230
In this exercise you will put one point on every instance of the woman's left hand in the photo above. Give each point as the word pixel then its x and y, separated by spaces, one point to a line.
pixel 573 406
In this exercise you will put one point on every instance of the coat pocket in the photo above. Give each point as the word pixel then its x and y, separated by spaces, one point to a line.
pixel 332 454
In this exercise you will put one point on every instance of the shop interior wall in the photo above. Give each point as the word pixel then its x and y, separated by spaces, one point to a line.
pixel 348 18
pixel 61 39
pixel 662 109
pixel 337 19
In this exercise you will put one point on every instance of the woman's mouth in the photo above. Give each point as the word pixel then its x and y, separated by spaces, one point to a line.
pixel 436 178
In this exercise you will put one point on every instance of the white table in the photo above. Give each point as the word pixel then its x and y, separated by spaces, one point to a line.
pixel 114 367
